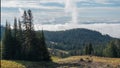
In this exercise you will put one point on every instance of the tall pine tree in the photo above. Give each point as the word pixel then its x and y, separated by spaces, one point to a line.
pixel 8 52
pixel 28 43
pixel 89 49
pixel 46 56
pixel 33 48
pixel 20 40
pixel 15 36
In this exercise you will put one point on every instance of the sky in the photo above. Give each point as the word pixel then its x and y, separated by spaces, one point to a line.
pixel 55 15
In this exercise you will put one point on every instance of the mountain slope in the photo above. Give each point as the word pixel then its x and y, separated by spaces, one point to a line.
pixel 75 38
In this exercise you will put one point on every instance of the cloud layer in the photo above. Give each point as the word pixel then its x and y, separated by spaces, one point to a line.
pixel 99 15
pixel 48 4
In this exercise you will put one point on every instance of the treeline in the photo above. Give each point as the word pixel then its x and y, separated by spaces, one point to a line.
pixel 76 38
pixel 111 49
pixel 22 42
pixel 82 42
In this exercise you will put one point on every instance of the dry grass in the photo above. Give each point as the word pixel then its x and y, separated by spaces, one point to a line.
pixel 55 58
pixel 28 64
pixel 11 64
pixel 112 61
pixel 74 61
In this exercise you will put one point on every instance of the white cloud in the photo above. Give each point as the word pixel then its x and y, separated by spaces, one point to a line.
pixel 89 13
pixel 25 4
pixel 102 1
pixel 55 1
pixel 37 3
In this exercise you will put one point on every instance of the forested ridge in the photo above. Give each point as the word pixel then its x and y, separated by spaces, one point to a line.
pixel 81 42
pixel 77 37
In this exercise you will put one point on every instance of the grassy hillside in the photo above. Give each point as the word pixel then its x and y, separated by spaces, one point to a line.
pixel 73 61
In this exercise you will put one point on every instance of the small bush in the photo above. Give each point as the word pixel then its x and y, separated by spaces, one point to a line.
pixel 87 58
pixel 81 59
pixel 89 61
pixel 118 66
pixel 108 65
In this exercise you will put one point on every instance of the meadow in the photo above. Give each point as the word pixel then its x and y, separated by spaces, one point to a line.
pixel 70 62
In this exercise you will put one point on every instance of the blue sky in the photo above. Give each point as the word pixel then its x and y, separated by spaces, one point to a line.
pixel 99 15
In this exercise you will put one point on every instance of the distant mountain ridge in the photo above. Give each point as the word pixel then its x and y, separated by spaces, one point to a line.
pixel 75 38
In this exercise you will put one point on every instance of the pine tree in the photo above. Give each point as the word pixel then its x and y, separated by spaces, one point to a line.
pixel 90 49
pixel 27 44
pixel 16 42
pixel 117 43
pixel 5 42
pixel 15 28
pixel 33 48
pixel 46 56
pixel 8 52
pixel 20 40
pixel 86 50
pixel 111 50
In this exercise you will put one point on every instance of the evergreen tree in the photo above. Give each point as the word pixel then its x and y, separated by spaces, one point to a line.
pixel 16 47
pixel 24 44
pixel 20 40
pixel 86 50
pixel 33 48
pixel 5 41
pixel 111 50
pixel 44 48
pixel 20 28
pixel 89 49
pixel 8 52
pixel 117 43
pixel 28 43
pixel 15 28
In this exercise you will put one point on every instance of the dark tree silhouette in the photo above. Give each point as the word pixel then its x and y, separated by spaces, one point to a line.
pixel 8 52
